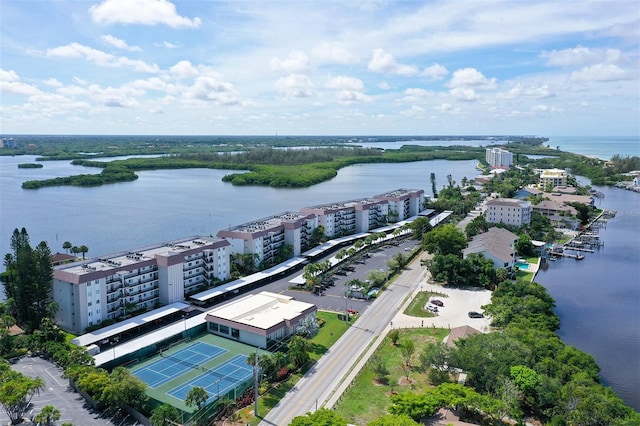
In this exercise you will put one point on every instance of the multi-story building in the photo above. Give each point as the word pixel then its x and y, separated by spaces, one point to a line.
pixel 550 178
pixel 265 237
pixel 499 158
pixel 509 210
pixel 8 143
pixel 403 203
pixel 115 286
pixel 350 217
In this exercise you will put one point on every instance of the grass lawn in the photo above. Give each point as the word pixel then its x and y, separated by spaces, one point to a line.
pixel 533 260
pixel 328 334
pixel 528 276
pixel 416 307
pixel 365 399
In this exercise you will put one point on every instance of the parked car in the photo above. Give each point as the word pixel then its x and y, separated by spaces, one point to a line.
pixel 432 308
pixel 474 314
pixel 437 302
pixel 349 268
pixel 341 272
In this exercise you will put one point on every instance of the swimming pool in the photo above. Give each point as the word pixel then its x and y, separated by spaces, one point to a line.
pixel 522 265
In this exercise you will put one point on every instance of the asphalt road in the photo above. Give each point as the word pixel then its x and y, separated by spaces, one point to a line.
pixel 57 392
pixel 320 383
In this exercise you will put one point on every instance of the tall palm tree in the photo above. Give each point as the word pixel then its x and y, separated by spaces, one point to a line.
pixel 66 246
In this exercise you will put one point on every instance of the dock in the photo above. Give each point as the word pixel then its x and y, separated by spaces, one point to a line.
pixel 570 255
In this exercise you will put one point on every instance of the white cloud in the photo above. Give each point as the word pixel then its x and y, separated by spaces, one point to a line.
pixel 435 71
pixel 80 81
pixel 349 97
pixel 153 83
pixel 328 53
pixel 602 72
pixel 210 89
pixel 470 77
pixel 77 50
pixel 385 63
pixel 184 69
pixel 53 82
pixel 296 63
pixel 464 94
pixel 143 12
pixel 579 56
pixel 414 111
pixel 344 82
pixel 413 95
pixel 10 83
pixel 295 86
pixel 169 45
pixel 384 85
pixel 530 92
pixel 119 43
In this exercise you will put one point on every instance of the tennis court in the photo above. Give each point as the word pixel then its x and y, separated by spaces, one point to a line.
pixel 219 380
pixel 212 362
pixel 175 364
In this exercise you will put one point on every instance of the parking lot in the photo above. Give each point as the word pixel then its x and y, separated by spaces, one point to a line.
pixel 57 392
pixel 333 297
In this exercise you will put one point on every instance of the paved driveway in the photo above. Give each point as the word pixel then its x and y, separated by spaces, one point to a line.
pixel 57 392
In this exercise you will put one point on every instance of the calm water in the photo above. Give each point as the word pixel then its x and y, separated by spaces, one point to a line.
pixel 597 298
pixel 167 204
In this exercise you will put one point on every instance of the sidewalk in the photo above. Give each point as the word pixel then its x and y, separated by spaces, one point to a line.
pixel 453 314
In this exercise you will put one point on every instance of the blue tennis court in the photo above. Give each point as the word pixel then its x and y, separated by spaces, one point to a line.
pixel 219 380
pixel 176 364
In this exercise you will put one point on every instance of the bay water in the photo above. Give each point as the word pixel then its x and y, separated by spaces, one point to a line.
pixel 597 299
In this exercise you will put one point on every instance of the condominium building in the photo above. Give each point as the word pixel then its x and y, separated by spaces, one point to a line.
pixel 509 210
pixel 499 158
pixel 115 286
pixel 403 203
pixel 552 178
pixel 350 217
pixel 266 236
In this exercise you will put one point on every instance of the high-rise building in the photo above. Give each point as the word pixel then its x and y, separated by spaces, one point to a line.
pixel 499 158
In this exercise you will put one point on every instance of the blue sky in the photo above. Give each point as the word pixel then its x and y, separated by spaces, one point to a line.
pixel 304 67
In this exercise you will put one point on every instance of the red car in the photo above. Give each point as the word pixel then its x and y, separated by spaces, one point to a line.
pixel 437 302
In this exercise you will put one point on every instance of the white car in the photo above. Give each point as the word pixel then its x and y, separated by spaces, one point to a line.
pixel 432 308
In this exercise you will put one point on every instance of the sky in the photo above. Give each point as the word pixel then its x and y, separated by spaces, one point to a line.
pixel 330 67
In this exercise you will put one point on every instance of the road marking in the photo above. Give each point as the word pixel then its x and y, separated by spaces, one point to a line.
pixel 54 378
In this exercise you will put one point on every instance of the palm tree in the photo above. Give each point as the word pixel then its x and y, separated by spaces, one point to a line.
pixel 299 351
pixel 164 415
pixel 75 250
pixel 66 246
pixel 48 415
pixel 197 396
pixel 83 250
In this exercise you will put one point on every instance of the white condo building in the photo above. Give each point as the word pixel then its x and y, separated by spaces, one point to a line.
pixel 509 210
pixel 553 178
pixel 403 203
pixel 264 237
pixel 93 290
pixel 350 217
pixel 112 287
pixel 499 158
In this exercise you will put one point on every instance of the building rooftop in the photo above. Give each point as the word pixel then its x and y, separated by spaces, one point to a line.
pixel 511 202
pixel 263 310
pixel 118 261
pixel 271 222
pixel 496 241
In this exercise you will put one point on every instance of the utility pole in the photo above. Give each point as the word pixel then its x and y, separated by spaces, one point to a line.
pixel 255 383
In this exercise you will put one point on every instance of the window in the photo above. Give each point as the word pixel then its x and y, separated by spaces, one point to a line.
pixel 235 333
pixel 213 326
pixel 224 329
